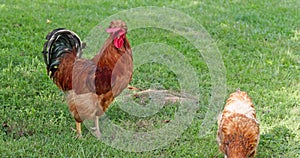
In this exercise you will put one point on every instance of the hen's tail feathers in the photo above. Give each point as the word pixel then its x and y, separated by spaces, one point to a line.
pixel 59 42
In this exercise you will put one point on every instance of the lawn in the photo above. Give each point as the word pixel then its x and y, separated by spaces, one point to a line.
pixel 207 49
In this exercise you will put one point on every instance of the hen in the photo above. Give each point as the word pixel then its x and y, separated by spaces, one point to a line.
pixel 90 85
pixel 238 132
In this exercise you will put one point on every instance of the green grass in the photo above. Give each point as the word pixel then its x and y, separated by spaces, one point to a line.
pixel 259 42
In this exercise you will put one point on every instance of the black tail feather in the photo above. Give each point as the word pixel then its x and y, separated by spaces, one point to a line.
pixel 59 42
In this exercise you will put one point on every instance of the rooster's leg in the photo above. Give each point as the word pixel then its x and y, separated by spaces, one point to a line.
pixel 78 129
pixel 97 132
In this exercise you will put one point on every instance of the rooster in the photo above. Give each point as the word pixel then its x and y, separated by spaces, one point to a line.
pixel 238 132
pixel 90 85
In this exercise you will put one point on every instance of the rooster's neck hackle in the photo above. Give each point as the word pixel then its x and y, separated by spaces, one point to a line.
pixel 115 46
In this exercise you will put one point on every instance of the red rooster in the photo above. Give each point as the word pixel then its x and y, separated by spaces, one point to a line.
pixel 238 133
pixel 90 85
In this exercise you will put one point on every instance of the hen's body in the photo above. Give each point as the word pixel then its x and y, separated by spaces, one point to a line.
pixel 90 85
pixel 238 133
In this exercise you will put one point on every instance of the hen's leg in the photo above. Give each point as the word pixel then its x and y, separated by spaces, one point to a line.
pixel 97 132
pixel 78 129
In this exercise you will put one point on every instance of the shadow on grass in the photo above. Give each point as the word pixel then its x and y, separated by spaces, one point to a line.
pixel 16 130
pixel 278 142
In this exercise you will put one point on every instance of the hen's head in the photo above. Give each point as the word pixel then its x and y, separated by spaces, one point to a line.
pixel 117 29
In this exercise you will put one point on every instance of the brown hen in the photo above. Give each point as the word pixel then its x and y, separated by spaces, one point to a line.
pixel 238 132
pixel 90 85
